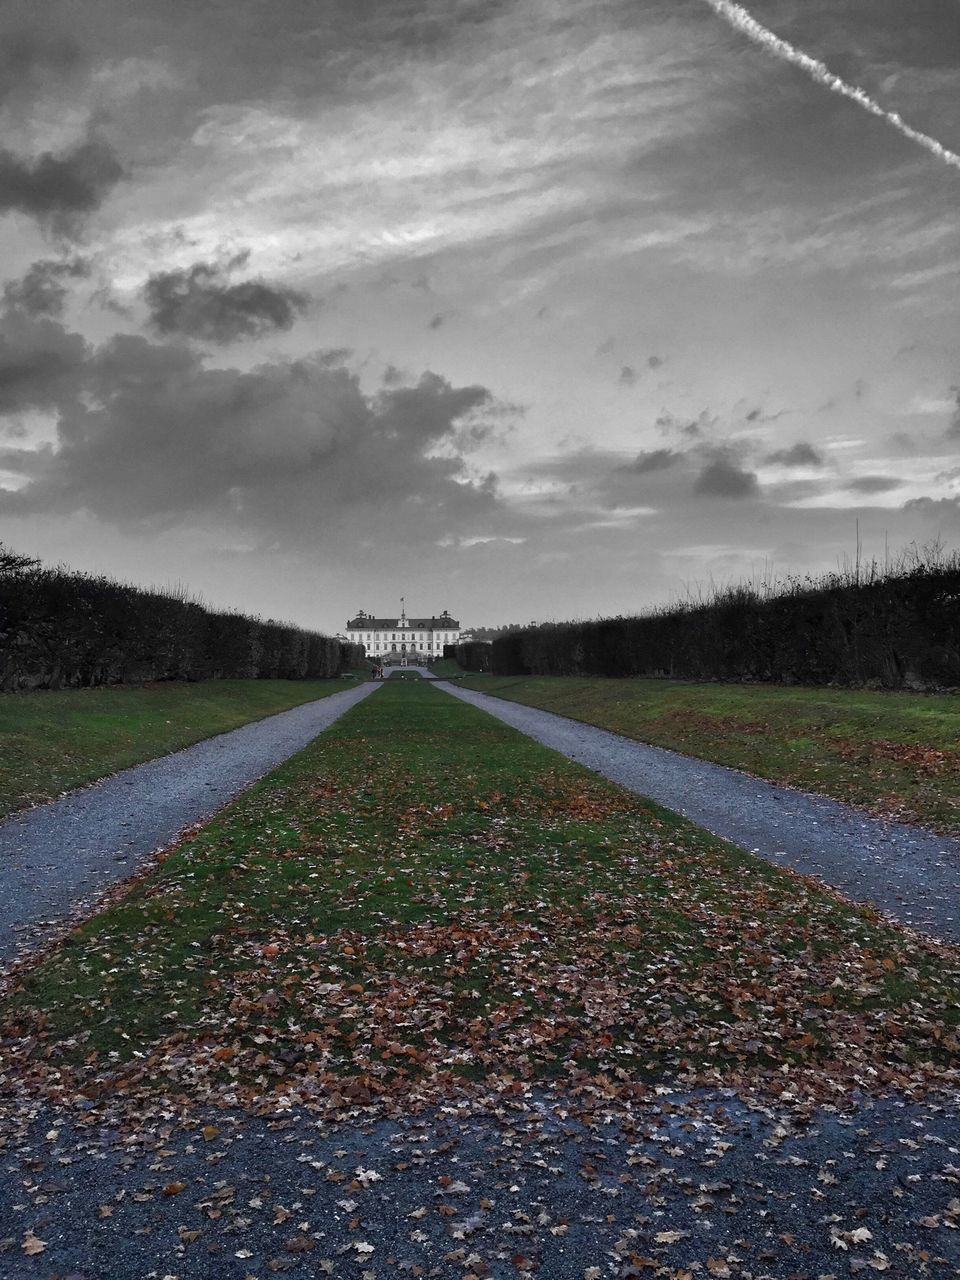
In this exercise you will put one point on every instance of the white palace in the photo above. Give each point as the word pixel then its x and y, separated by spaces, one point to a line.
pixel 403 639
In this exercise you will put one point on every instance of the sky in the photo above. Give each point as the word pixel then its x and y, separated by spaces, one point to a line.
pixel 525 309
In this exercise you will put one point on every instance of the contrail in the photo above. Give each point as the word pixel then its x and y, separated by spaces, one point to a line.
pixel 739 18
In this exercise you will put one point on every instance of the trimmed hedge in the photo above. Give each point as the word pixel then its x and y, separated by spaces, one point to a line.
pixel 891 630
pixel 473 655
pixel 62 630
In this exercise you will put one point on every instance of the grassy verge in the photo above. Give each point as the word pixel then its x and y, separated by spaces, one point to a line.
pixel 424 897
pixel 446 668
pixel 55 741
pixel 896 754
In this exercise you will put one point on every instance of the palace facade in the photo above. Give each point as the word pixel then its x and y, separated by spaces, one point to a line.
pixel 403 639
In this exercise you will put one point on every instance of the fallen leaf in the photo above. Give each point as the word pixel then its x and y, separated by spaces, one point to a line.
pixel 33 1244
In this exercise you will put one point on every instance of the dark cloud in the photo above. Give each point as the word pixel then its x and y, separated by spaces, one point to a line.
pixel 654 362
pixel 628 376
pixel 41 291
pixel 954 427
pixel 40 362
pixel 691 428
pixel 436 321
pixel 28 58
pixel 758 415
pixel 874 484
pixel 800 454
pixel 199 302
pixel 723 478
pixel 944 512
pixel 654 460
pixel 606 347
pixel 59 189
pixel 150 436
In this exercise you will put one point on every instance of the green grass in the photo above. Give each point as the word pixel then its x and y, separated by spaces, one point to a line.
pixel 896 754
pixel 424 896
pixel 446 668
pixel 53 742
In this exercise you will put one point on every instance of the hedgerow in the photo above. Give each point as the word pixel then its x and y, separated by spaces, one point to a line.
pixel 64 630
pixel 891 628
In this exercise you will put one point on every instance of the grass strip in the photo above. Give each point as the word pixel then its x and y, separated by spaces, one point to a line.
pixel 424 898
pixel 55 741
pixel 895 754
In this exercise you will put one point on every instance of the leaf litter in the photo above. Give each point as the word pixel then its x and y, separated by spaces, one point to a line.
pixel 426 911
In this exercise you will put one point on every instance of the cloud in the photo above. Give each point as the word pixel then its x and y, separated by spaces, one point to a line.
pixel 742 20
pixel 39 362
pixel 628 376
pixel 41 292
pixel 150 436
pixel 59 189
pixel 654 362
pixel 722 478
pixel 945 512
pixel 954 428
pixel 27 57
pixel 801 454
pixel 874 484
pixel 691 427
pixel 198 302
pixel 654 460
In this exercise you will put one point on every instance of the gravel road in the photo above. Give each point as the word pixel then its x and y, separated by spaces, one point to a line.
pixel 74 848
pixel 910 873
pixel 529 1185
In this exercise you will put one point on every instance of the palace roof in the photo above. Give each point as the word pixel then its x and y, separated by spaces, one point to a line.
pixel 439 622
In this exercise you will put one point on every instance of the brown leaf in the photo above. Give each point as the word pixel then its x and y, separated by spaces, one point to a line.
pixel 300 1244
pixel 32 1244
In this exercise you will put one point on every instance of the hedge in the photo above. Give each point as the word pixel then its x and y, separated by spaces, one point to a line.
pixel 62 630
pixel 897 629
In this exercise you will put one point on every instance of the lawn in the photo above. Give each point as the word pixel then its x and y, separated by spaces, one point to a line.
pixel 424 899
pixel 54 741
pixel 446 668
pixel 896 754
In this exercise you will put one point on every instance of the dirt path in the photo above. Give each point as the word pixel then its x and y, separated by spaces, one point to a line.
pixel 910 873
pixel 74 848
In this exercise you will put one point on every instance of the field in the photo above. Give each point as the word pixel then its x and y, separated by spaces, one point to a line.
pixel 53 742
pixel 424 901
pixel 895 754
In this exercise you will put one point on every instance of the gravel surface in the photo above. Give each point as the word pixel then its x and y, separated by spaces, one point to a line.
pixel 71 849
pixel 911 874
pixel 534 1184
